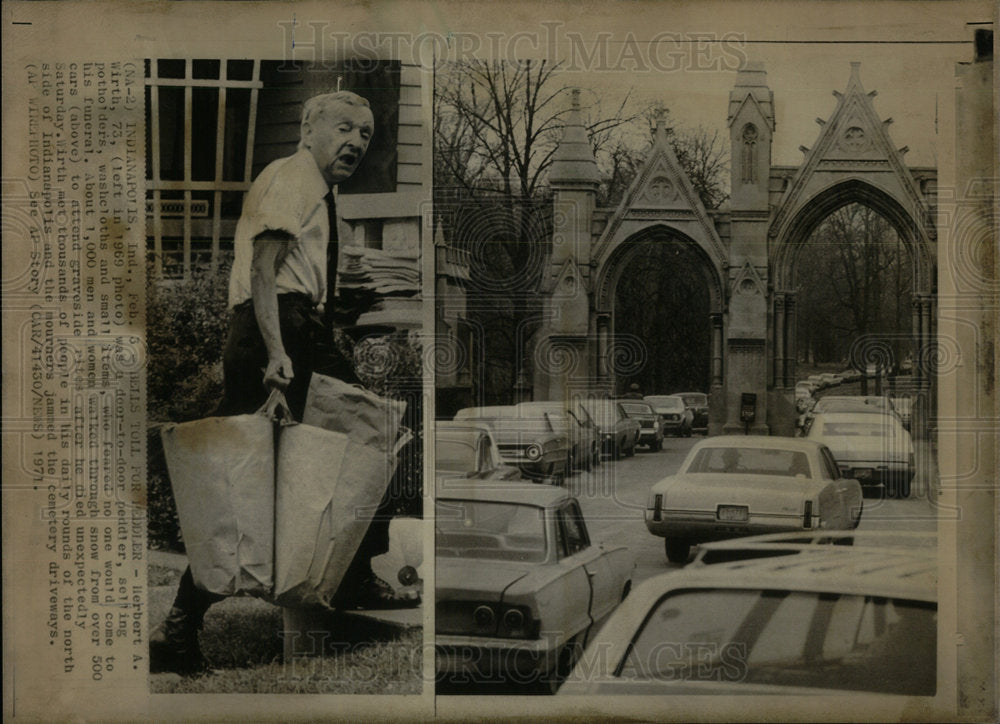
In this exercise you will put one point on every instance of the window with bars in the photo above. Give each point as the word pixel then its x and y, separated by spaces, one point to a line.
pixel 205 142
pixel 199 151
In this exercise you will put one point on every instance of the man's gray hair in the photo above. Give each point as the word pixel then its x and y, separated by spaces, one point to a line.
pixel 317 106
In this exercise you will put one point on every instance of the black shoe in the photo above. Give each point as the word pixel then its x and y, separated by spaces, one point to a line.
pixel 173 645
pixel 373 593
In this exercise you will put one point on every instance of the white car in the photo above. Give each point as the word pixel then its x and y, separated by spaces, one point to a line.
pixel 740 485
pixel 775 617
pixel 875 449
pixel 519 583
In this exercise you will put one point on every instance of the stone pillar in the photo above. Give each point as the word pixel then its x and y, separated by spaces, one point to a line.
pixel 566 305
pixel 918 347
pixel 716 320
pixel 603 324
pixel 779 339
pixel 791 353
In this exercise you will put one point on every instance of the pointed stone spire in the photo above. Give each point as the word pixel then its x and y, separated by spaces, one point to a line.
pixel 660 126
pixel 573 163
pixel 751 80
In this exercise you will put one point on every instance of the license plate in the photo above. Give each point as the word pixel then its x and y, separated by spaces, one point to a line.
pixel 734 513
pixel 862 473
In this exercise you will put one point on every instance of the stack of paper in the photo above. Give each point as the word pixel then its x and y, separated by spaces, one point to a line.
pixel 394 273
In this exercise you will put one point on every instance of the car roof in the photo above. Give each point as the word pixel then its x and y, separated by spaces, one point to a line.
pixel 460 425
pixel 875 571
pixel 770 442
pixel 544 496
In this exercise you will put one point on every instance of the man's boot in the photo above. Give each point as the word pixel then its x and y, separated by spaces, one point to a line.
pixel 173 645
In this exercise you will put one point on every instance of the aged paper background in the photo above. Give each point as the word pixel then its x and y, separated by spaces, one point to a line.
pixel 73 354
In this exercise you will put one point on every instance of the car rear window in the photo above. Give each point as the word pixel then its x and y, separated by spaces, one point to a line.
pixel 667 403
pixel 856 429
pixel 788 639
pixel 750 461
pixel 489 530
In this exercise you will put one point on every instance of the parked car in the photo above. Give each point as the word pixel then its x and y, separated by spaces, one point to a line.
pixel 739 485
pixel 861 404
pixel 874 449
pixel 465 450
pixel 805 389
pixel 675 416
pixel 580 430
pixel 698 402
pixel 650 432
pixel 791 618
pixel 536 445
pixel 519 584
pixel 619 432
pixel 903 405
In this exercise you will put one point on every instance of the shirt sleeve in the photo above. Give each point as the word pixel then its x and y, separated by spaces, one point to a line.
pixel 279 207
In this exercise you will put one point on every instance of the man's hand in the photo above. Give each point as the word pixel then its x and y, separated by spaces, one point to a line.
pixel 278 373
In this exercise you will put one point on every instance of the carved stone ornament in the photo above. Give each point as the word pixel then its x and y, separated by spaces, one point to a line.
pixel 660 190
pixel 854 139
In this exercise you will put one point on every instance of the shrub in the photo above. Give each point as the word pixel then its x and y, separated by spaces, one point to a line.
pixel 186 324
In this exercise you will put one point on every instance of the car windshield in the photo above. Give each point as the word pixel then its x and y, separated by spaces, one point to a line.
pixel 791 639
pixel 490 530
pixel 694 399
pixel 749 461
pixel 666 403
pixel 457 456
pixel 604 412
pixel 637 408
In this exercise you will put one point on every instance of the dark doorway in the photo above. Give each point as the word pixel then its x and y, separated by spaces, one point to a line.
pixel 662 301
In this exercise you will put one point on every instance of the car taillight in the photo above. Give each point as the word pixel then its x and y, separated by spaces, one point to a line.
pixel 484 619
pixel 517 623
pixel 658 507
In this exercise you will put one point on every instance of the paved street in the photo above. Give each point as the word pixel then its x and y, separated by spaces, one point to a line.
pixel 614 494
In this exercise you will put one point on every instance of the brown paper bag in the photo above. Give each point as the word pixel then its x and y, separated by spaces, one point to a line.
pixel 222 474
pixel 362 415
pixel 328 488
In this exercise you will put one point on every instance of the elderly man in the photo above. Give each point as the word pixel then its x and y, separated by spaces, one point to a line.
pixel 281 293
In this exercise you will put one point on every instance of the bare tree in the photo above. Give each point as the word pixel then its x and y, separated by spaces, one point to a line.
pixel 496 129
pixel 856 273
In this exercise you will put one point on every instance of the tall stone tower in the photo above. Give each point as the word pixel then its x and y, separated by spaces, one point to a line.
pixel 563 349
pixel 751 129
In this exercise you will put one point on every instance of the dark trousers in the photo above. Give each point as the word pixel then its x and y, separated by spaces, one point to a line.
pixel 309 344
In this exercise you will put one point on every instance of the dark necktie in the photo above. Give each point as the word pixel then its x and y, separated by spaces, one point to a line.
pixel 331 257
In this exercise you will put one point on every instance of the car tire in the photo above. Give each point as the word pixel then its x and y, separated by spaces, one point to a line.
pixel 566 659
pixel 677 549
pixel 903 488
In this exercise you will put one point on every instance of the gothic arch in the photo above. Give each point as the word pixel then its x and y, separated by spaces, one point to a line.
pixel 811 213
pixel 610 271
